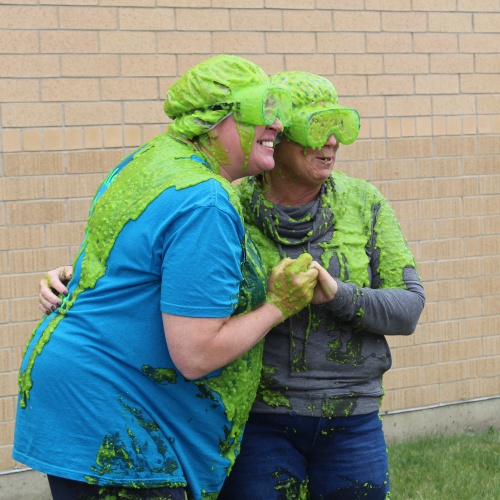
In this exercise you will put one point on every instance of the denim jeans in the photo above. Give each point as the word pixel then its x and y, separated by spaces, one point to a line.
pixel 287 457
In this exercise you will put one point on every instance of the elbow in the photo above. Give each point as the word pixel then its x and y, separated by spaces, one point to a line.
pixel 191 369
pixel 409 328
pixel 410 324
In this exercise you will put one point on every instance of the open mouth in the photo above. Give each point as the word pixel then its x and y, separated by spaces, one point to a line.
pixel 267 144
pixel 327 160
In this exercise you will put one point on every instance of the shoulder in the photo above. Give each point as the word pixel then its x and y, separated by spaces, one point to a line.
pixel 212 193
pixel 342 181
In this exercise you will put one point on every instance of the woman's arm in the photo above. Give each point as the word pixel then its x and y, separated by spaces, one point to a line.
pixel 385 311
pixel 199 346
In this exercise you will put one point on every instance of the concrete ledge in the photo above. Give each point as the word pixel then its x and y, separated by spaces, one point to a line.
pixel 478 415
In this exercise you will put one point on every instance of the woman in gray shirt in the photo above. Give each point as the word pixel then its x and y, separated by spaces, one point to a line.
pixel 314 430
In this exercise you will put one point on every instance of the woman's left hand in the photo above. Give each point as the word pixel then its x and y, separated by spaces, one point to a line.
pixel 51 286
pixel 326 287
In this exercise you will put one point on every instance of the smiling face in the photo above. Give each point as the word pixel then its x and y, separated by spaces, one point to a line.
pixel 305 167
pixel 262 155
pixel 242 142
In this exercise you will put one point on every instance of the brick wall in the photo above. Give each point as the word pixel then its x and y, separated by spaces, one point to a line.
pixel 82 83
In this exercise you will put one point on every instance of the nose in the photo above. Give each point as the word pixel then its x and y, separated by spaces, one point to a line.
pixel 276 125
pixel 332 141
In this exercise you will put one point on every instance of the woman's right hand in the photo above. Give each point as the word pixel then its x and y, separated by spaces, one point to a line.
pixel 291 285
pixel 51 286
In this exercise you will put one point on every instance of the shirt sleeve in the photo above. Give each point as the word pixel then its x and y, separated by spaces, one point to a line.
pixel 201 268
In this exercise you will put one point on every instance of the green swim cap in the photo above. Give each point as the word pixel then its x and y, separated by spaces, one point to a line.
pixel 316 112
pixel 209 83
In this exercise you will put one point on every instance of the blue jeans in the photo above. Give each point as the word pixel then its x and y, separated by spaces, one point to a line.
pixel 295 457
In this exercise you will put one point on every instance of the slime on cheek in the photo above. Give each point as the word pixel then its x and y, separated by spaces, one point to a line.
pixel 246 133
pixel 214 148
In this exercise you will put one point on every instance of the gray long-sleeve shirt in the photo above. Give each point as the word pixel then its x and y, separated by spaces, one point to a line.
pixel 329 360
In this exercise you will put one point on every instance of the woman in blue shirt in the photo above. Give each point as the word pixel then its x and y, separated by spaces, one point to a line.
pixel 139 383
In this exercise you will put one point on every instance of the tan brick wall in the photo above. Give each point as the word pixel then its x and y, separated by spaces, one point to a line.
pixel 82 82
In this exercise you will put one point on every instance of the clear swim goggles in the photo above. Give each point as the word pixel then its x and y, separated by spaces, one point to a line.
pixel 311 127
pixel 261 104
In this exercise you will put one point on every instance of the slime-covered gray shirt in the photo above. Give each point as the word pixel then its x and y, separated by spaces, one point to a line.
pixel 329 359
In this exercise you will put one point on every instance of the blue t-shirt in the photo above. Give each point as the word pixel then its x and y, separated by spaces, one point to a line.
pixel 101 400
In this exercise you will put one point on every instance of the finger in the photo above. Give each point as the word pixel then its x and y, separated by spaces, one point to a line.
pixel 49 298
pixel 46 305
pixel 301 263
pixel 316 265
pixel 313 273
pixel 324 276
pixel 42 308
pixel 305 290
pixel 305 260
pixel 282 265
pixel 66 274
pixel 56 285
pixel 308 277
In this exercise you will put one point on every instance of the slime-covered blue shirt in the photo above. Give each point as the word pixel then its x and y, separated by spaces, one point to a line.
pixel 100 398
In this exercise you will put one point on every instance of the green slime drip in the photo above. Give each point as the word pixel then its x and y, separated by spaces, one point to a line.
pixel 246 133
pixel 115 455
pixel 334 405
pixel 268 396
pixel 214 148
pixel 290 488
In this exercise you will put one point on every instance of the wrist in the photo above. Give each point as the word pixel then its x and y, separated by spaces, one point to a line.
pixel 276 313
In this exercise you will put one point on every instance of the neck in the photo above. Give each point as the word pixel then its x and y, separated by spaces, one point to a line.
pixel 281 190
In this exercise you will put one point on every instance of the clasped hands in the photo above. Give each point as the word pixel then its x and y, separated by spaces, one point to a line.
pixel 294 284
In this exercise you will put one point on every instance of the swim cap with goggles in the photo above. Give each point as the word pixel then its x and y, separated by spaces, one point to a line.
pixel 316 113
pixel 212 89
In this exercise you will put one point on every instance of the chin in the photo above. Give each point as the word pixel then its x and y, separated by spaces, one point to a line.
pixel 261 166
pixel 268 166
